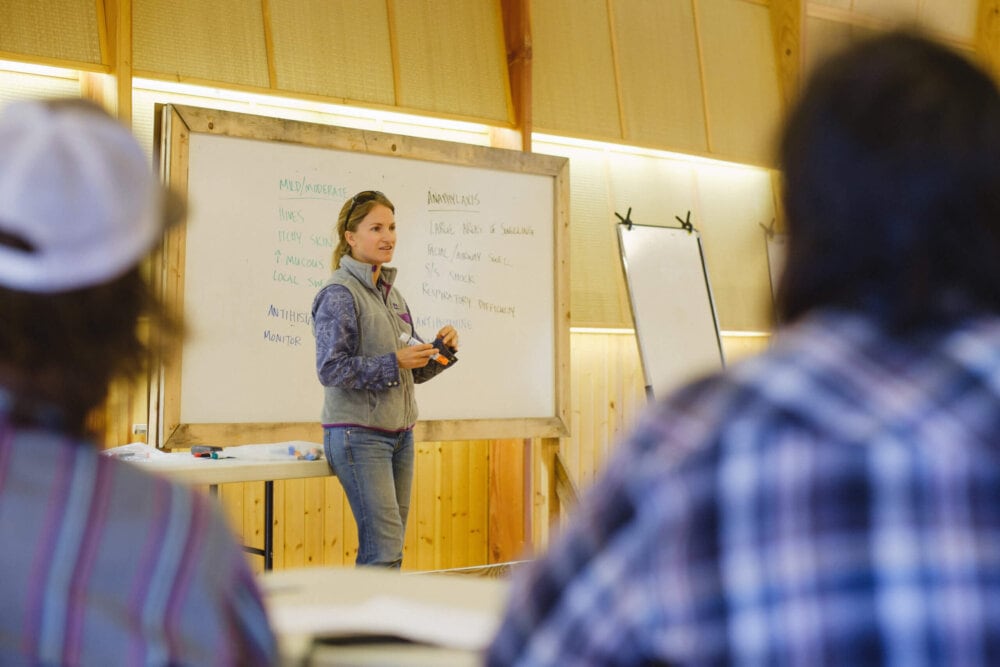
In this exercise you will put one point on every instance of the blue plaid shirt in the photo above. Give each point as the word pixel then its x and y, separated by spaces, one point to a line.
pixel 834 501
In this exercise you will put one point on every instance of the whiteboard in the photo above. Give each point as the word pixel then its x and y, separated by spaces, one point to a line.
pixel 477 248
pixel 672 306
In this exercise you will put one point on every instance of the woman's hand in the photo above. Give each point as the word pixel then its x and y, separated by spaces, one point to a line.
pixel 449 336
pixel 415 356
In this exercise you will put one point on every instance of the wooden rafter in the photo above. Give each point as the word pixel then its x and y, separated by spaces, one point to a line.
pixel 517 38
pixel 988 35
pixel 786 33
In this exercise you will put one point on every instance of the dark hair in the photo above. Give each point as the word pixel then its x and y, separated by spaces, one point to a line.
pixel 352 213
pixel 60 352
pixel 891 162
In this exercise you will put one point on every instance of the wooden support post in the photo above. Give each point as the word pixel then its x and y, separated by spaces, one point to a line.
pixel 786 33
pixel 508 493
pixel 116 52
pixel 536 473
pixel 547 498
pixel 988 36
pixel 517 36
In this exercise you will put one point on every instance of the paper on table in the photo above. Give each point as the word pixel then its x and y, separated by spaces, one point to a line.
pixel 277 451
pixel 134 451
pixel 384 615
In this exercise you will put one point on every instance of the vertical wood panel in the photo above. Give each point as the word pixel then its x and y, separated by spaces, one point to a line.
pixel 585 352
pixel 444 537
pixel 314 505
pixel 424 503
pixel 457 518
pixel 478 548
pixel 231 497
pixel 601 390
pixel 608 398
pixel 254 512
pixel 506 506
pixel 295 524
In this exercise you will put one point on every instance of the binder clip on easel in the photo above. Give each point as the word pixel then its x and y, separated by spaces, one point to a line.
pixel 627 220
pixel 685 223
pixel 769 230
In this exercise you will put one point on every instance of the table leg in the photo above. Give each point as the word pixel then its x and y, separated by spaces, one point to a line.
pixel 268 525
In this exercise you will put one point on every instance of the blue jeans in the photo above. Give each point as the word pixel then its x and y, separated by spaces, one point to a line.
pixel 376 470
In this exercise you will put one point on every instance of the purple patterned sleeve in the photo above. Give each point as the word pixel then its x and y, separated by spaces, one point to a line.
pixel 335 326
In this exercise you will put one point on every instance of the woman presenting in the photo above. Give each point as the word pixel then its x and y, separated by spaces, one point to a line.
pixel 368 373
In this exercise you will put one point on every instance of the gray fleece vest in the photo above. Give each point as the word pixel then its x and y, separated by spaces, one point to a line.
pixel 379 325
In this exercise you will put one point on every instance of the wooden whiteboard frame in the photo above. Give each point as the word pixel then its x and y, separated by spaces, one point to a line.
pixel 175 126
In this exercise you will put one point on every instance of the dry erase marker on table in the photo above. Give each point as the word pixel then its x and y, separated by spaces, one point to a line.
pixel 411 340
pixel 208 452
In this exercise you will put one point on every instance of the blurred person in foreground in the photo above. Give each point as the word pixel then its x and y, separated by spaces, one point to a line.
pixel 103 564
pixel 835 500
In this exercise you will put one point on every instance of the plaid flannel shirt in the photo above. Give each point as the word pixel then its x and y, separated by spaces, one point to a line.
pixel 106 564
pixel 834 501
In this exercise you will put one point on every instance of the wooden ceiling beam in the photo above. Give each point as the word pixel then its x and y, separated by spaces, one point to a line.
pixel 787 29
pixel 517 38
pixel 987 40
pixel 113 92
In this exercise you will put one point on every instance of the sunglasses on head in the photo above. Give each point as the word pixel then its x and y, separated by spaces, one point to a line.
pixel 361 198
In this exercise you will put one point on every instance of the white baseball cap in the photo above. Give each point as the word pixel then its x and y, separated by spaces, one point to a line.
pixel 79 204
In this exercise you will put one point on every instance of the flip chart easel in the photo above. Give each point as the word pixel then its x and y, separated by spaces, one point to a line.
pixel 672 306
